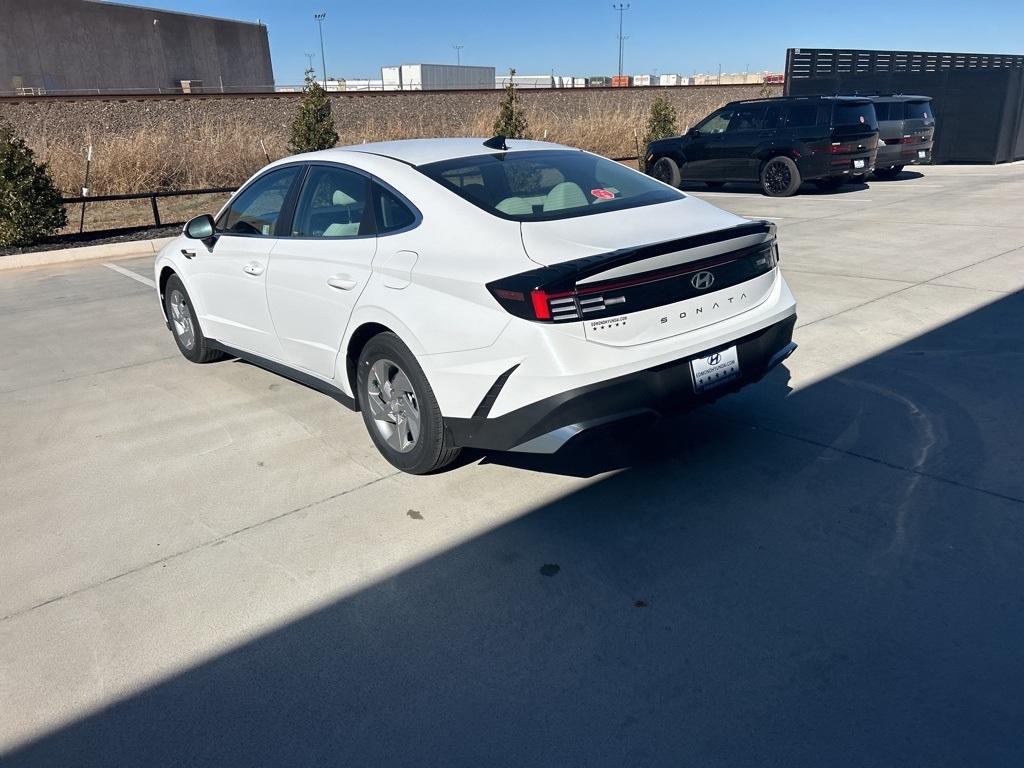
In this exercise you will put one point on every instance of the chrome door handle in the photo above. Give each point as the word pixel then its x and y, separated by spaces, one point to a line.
pixel 253 268
pixel 342 282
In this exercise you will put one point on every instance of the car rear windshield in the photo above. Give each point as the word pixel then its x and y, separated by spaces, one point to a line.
pixel 540 185
pixel 920 110
pixel 848 117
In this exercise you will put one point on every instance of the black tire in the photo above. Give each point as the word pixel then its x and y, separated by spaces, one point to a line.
pixel 889 173
pixel 780 177
pixel 715 184
pixel 831 184
pixel 666 170
pixel 430 449
pixel 185 329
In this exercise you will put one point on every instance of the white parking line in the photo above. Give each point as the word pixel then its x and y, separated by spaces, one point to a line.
pixel 132 275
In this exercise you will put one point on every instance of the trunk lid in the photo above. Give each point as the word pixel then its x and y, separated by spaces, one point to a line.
pixel 694 265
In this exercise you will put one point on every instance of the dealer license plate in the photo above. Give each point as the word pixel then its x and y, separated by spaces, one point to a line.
pixel 715 369
pixel 922 154
pixel 859 163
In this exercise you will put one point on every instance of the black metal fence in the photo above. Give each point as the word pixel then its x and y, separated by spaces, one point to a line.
pixel 151 196
pixel 979 98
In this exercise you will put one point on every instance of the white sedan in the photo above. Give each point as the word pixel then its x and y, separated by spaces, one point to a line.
pixel 470 293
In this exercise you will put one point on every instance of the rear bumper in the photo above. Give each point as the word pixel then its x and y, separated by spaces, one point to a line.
pixel 899 154
pixel 546 425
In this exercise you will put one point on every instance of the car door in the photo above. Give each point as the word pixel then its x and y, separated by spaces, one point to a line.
pixel 229 278
pixel 318 271
pixel 703 150
pixel 745 133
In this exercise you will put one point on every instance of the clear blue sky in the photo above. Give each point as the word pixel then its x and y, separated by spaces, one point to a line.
pixel 578 38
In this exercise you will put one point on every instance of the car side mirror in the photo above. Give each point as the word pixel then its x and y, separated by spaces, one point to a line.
pixel 693 133
pixel 201 228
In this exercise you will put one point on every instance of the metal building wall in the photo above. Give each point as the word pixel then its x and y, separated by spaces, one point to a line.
pixel 979 98
pixel 84 45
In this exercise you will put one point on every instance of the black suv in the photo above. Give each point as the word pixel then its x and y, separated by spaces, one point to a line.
pixel 906 129
pixel 777 142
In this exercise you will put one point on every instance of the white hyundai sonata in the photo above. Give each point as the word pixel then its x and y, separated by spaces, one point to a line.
pixel 471 293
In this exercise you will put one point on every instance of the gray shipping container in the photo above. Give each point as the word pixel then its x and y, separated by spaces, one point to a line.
pixel 437 77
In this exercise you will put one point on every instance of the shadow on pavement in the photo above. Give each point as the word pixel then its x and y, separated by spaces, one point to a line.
pixel 831 578
pixel 807 189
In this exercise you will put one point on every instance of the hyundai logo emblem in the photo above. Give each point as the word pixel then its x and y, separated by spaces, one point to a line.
pixel 702 281
pixel 714 359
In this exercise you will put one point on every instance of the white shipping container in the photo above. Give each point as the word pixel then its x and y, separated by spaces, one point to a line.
pixel 579 82
pixel 391 77
pixel 670 80
pixel 645 79
pixel 526 81
pixel 442 77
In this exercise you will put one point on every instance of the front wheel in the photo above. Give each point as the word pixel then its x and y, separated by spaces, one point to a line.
pixel 399 408
pixel 666 170
pixel 181 317
pixel 780 177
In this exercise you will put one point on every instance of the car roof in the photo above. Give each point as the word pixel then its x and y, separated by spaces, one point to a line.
pixel 423 151
pixel 851 99
pixel 899 97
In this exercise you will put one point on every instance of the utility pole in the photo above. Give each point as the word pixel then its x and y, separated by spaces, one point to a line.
pixel 458 54
pixel 320 23
pixel 309 58
pixel 621 8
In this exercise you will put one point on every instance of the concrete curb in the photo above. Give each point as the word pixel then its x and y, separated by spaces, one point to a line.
pixel 85 253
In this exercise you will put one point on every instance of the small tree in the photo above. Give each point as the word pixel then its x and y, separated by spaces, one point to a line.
pixel 662 121
pixel 511 122
pixel 313 127
pixel 30 206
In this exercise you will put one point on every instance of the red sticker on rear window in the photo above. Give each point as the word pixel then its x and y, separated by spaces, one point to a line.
pixel 862 118
pixel 602 194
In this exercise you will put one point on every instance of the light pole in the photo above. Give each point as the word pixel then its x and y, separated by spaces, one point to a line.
pixel 309 59
pixel 621 8
pixel 458 54
pixel 320 23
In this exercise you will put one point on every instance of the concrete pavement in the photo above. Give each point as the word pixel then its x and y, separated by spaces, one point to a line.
pixel 210 565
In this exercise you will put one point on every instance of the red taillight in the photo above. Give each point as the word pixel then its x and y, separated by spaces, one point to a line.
pixel 541 310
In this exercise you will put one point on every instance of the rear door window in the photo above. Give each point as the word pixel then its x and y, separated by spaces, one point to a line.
pixel 332 204
pixel 748 117
pixel 800 115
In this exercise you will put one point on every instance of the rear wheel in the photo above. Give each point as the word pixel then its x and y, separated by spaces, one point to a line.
pixel 185 325
pixel 780 177
pixel 889 173
pixel 666 170
pixel 399 408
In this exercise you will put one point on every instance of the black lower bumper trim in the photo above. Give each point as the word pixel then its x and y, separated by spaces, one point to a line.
pixel 666 388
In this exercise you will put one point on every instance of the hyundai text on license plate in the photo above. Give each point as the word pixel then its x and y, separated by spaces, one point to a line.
pixel 715 369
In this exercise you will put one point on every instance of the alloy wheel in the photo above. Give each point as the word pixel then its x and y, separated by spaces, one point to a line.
pixel 777 177
pixel 181 319
pixel 394 405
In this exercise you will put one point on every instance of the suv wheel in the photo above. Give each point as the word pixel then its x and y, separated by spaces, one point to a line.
pixel 666 170
pixel 780 177
pixel 399 408
pixel 889 173
pixel 189 337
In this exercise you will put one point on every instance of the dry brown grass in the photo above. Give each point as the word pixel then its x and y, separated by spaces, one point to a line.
pixel 224 152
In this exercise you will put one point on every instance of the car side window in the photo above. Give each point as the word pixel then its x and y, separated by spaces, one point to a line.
pixel 255 211
pixel 332 204
pixel 801 115
pixel 393 214
pixel 717 123
pixel 747 118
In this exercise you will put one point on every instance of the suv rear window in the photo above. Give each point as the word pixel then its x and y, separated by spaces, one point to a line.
pixel 888 110
pixel 846 116
pixel 920 110
pixel 540 185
